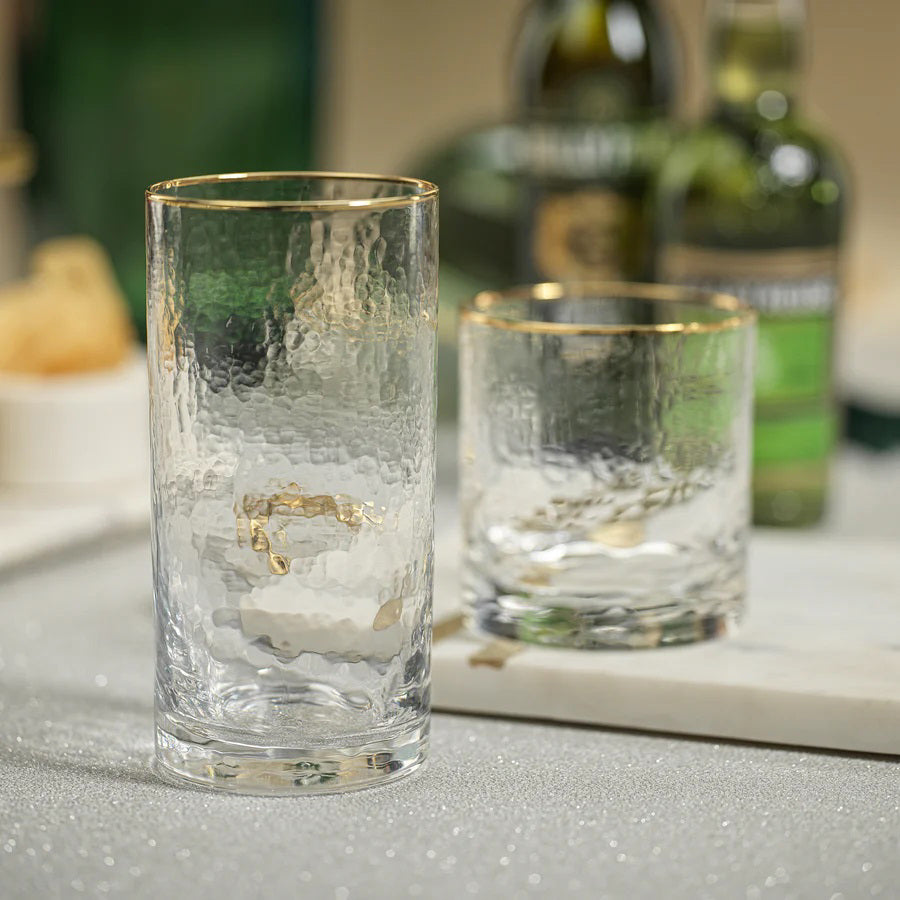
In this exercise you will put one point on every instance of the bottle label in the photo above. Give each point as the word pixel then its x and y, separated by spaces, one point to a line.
pixel 795 292
pixel 790 282
pixel 580 234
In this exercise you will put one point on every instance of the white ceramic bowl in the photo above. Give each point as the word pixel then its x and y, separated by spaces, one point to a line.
pixel 75 430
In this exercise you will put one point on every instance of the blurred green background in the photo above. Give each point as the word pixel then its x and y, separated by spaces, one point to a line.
pixel 118 96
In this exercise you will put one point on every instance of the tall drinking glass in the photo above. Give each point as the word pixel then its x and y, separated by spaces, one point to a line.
pixel 291 338
pixel 605 462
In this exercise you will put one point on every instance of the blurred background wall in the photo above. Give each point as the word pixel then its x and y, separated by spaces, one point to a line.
pixel 404 74
pixel 396 79
pixel 115 97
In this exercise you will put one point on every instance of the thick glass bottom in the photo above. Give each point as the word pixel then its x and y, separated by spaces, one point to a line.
pixel 287 771
pixel 610 625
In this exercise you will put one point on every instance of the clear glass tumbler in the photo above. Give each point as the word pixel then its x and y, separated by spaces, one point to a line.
pixel 605 463
pixel 291 338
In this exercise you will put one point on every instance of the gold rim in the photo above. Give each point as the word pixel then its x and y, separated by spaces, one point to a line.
pixel 419 191
pixel 478 309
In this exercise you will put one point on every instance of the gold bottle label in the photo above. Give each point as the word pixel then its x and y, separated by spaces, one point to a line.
pixel 582 235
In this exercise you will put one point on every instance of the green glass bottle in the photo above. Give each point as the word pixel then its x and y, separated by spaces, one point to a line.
pixel 595 83
pixel 752 202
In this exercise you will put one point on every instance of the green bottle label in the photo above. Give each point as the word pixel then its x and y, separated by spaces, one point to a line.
pixel 795 292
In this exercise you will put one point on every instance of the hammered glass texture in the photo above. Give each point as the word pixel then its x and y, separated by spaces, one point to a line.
pixel 293 405
pixel 604 475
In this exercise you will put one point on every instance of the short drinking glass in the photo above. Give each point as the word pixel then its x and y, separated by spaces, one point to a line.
pixel 605 460
pixel 291 339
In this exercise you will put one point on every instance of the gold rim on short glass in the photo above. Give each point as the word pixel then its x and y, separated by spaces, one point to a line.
pixel 482 308
pixel 415 190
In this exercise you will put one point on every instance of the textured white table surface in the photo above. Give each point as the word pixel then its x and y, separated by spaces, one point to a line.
pixel 503 808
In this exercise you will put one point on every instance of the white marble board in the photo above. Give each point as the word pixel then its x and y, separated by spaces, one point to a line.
pixel 816 661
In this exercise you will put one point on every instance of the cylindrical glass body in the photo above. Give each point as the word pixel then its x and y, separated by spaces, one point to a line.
pixel 605 462
pixel 291 339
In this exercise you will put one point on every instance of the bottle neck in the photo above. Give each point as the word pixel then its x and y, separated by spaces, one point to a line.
pixel 755 57
pixel 596 60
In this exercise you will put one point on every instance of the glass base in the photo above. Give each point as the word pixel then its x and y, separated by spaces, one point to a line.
pixel 287 771
pixel 611 626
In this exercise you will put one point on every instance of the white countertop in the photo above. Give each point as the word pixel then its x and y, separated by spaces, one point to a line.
pixel 502 809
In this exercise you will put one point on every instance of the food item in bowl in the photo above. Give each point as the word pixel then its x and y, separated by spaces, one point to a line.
pixel 73 384
pixel 67 316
